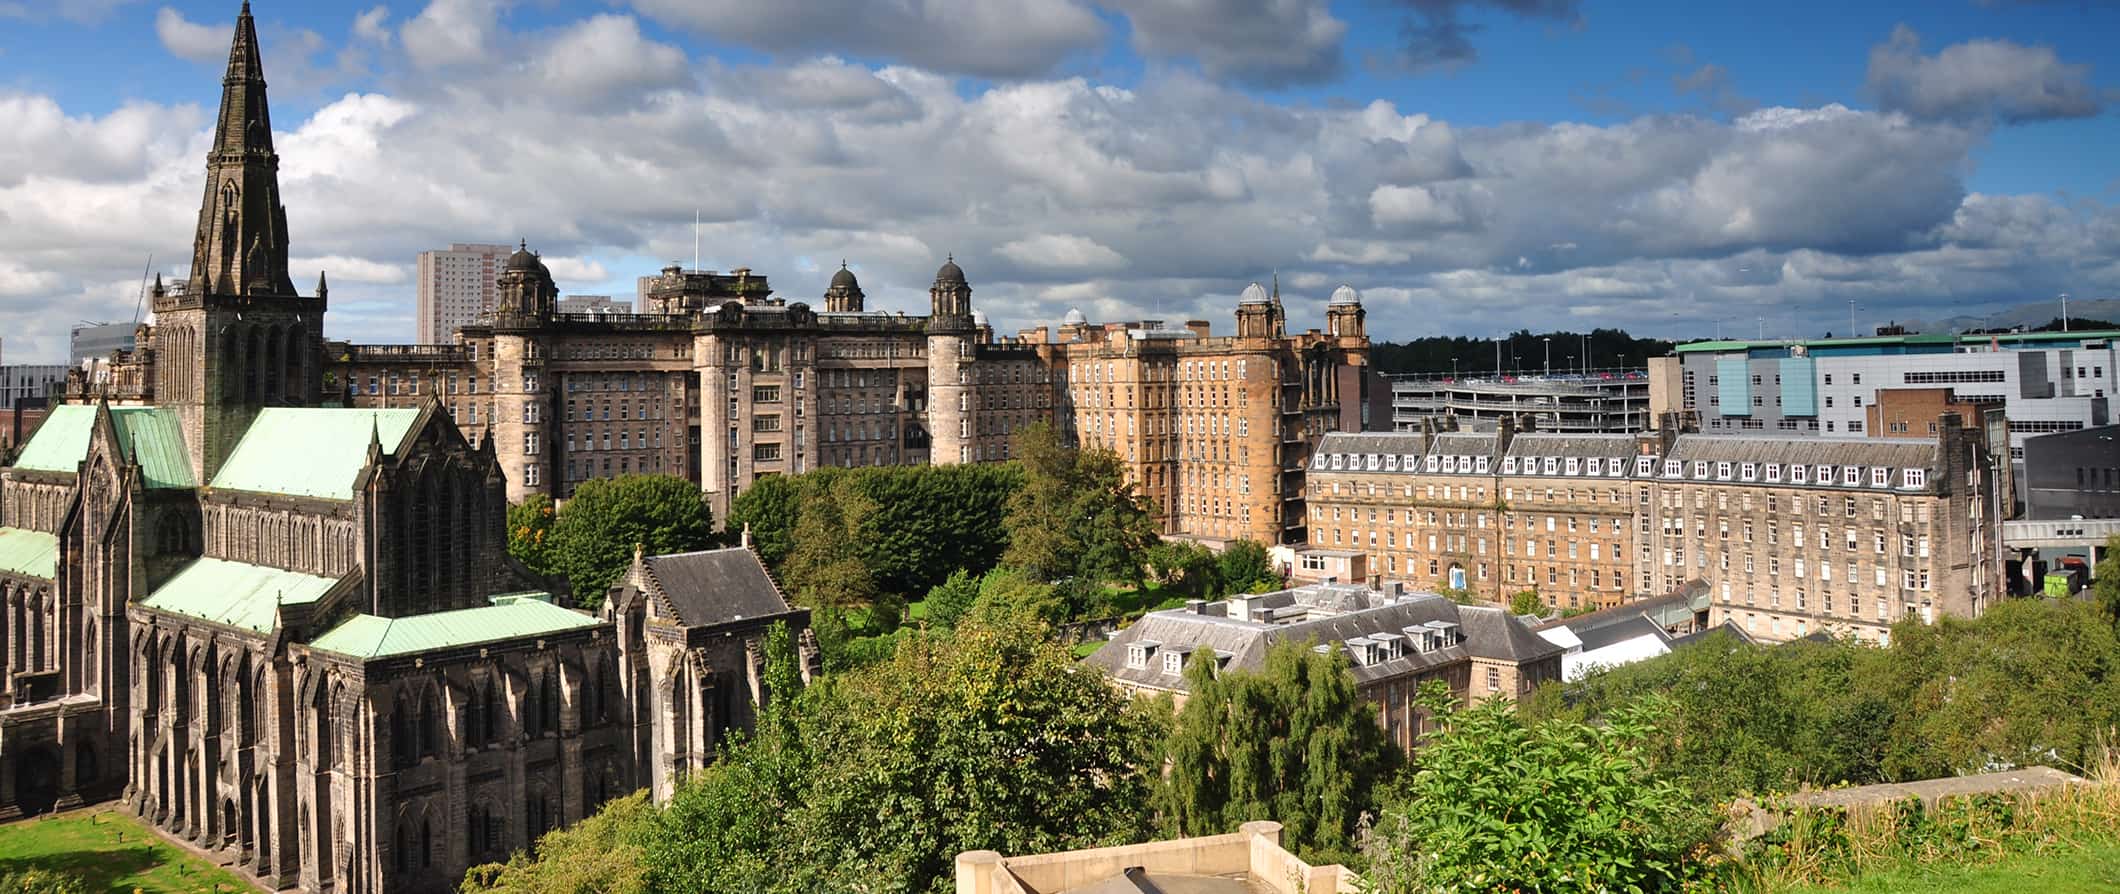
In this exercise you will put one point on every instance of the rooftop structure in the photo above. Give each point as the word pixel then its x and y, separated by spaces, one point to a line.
pixel 1600 401
pixel 1251 861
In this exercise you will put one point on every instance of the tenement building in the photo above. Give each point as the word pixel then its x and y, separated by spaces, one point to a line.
pixel 1791 535
pixel 1395 641
pixel 723 382
pixel 290 635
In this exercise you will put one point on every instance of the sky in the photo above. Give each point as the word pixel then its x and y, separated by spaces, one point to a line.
pixel 1471 166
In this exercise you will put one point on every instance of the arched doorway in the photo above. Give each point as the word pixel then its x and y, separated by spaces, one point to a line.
pixel 37 781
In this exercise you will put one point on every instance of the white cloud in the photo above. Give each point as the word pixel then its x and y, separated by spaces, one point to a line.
pixel 451 32
pixel 605 57
pixel 1980 79
pixel 1061 253
pixel 190 41
pixel 373 24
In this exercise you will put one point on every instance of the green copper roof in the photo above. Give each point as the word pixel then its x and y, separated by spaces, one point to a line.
pixel 150 436
pixel 61 442
pixel 29 553
pixel 238 594
pixel 310 452
pixel 369 636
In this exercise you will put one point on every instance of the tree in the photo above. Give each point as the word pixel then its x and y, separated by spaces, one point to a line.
pixel 1185 568
pixel 1527 602
pixel 824 565
pixel 529 532
pixel 593 538
pixel 1076 515
pixel 952 599
pixel 767 509
pixel 1499 804
pixel 1247 568
pixel 1294 741
pixel 2106 586
pixel 991 739
pixel 602 854
pixel 1009 597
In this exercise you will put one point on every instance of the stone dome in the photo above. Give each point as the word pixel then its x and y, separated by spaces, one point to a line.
pixel 1074 317
pixel 844 279
pixel 1253 294
pixel 1346 294
pixel 522 259
pixel 978 317
pixel 950 274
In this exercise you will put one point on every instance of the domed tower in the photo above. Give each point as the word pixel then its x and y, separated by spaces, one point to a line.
pixel 525 290
pixel 1259 314
pixel 1344 315
pixel 950 335
pixel 522 412
pixel 844 295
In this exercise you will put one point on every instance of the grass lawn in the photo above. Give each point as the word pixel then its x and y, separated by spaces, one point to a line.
pixel 2090 868
pixel 85 844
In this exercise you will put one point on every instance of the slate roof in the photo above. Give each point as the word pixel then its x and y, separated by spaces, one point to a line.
pixel 512 616
pixel 1487 632
pixel 311 452
pixel 1603 635
pixel 149 436
pixel 1371 442
pixel 29 553
pixel 237 594
pixel 1892 453
pixel 1565 445
pixel 710 587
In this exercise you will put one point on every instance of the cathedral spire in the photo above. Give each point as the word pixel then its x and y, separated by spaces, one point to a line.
pixel 241 244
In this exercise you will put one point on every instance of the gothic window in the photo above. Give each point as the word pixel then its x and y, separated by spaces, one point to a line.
pixel 430 727
pixel 402 746
pixel 548 704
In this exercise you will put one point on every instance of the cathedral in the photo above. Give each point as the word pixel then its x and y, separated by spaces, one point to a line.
pixel 289 632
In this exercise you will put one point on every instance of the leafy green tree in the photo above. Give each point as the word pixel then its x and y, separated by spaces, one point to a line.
pixel 593 538
pixel 1076 515
pixel 602 854
pixel 1247 568
pixel 1527 602
pixel 1294 741
pixel 1010 597
pixel 2106 586
pixel 950 600
pixel 991 739
pixel 530 532
pixel 1499 804
pixel 1185 568
pixel 767 508
pixel 824 565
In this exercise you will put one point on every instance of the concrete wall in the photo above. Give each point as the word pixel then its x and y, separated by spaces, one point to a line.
pixel 1254 853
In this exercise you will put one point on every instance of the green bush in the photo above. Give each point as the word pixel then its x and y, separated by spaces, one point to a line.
pixel 1502 805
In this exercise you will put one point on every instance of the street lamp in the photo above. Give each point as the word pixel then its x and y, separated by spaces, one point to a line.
pixel 1549 354
pixel 1497 358
pixel 2064 311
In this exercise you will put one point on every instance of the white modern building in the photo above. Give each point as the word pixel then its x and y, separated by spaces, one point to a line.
pixel 456 288
pixel 2047 382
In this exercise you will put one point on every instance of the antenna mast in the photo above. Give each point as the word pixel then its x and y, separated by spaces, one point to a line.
pixel 142 297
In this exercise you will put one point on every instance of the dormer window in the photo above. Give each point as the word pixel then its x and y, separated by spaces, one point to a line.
pixel 1851 476
pixel 1645 466
pixel 1797 474
pixel 1700 469
pixel 1550 465
pixel 1880 477
pixel 1597 467
pixel 1914 478
pixel 1482 465
pixel 1823 475
pixel 1391 462
pixel 1137 654
pixel 1173 663
pixel 1434 462
pixel 1774 473
pixel 1748 472
pixel 1722 471
pixel 1674 469
pixel 1575 466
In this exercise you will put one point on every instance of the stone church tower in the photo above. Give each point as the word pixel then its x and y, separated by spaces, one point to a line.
pixel 235 337
pixel 525 302
pixel 949 366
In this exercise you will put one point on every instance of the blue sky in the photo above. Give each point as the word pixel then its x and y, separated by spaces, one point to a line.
pixel 1471 165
